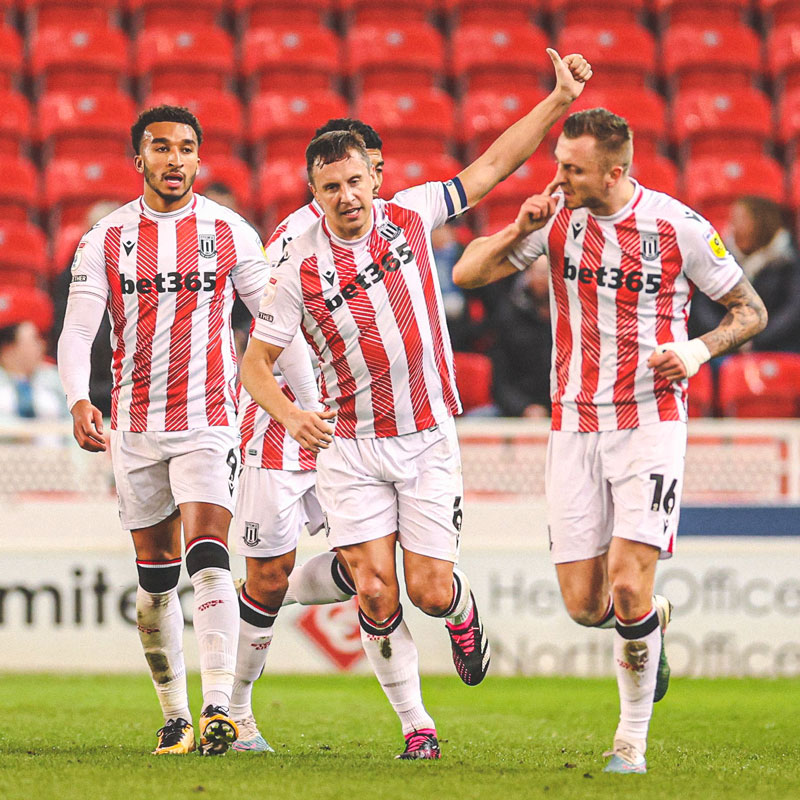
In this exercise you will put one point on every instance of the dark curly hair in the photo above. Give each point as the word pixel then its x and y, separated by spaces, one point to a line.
pixel 370 136
pixel 163 114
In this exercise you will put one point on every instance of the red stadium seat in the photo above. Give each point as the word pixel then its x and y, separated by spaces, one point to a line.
pixel 175 56
pixel 18 189
pixel 779 12
pixel 597 12
pixel 282 124
pixel 701 393
pixel 783 52
pixel 621 55
pixel 252 14
pixel 10 58
pixel 290 58
pixel 388 56
pixel 23 252
pixel 41 14
pixel 711 184
pixel 474 379
pixel 155 13
pixel 282 187
pixel 64 244
pixel 644 109
pixel 409 119
pixel 755 385
pixel 707 122
pixel 701 12
pixel 402 173
pixel 15 123
pixel 233 172
pixel 655 172
pixel 486 113
pixel 493 12
pixel 79 58
pixel 73 186
pixel 367 12
pixel 699 57
pixel 21 303
pixel 794 187
pixel 789 119
pixel 498 57
pixel 73 124
pixel 220 114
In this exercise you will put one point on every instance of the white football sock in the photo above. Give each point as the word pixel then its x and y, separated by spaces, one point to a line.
pixel 313 583
pixel 255 637
pixel 637 649
pixel 395 662
pixel 216 625
pixel 461 606
pixel 159 619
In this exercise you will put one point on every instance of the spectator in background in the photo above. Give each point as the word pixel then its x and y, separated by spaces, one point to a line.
pixel 521 356
pixel 29 386
pixel 221 193
pixel 761 243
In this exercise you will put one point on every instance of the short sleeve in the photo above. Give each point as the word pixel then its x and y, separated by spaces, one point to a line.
pixel 530 248
pixel 436 202
pixel 707 262
pixel 88 276
pixel 252 268
pixel 280 311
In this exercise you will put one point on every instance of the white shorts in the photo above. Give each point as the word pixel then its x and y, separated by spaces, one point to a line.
pixel 624 483
pixel 273 507
pixel 156 471
pixel 412 484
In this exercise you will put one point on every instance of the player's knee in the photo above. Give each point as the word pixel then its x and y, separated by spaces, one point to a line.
pixel 584 611
pixel 429 597
pixel 629 595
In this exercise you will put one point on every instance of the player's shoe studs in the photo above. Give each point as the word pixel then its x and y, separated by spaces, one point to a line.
pixel 217 731
pixel 626 759
pixel 664 611
pixel 470 645
pixel 421 744
pixel 175 738
pixel 250 739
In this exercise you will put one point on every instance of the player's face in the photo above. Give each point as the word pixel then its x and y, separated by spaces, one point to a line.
pixel 344 189
pixel 376 157
pixel 169 161
pixel 582 173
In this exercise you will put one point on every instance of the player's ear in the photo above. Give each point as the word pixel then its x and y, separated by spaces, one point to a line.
pixel 138 163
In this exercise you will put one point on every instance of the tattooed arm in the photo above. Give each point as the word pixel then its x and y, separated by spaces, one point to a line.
pixel 746 317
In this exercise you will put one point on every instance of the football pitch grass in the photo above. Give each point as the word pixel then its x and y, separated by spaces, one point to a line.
pixel 335 737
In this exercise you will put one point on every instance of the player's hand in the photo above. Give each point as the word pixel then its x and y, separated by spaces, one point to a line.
pixel 668 365
pixel 572 72
pixel 87 427
pixel 310 429
pixel 536 211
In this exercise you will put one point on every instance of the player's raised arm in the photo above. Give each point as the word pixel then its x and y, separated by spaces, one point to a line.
pixel 746 317
pixel 485 259
pixel 516 145
pixel 309 428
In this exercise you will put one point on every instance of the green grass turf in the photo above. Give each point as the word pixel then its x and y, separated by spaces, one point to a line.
pixel 335 737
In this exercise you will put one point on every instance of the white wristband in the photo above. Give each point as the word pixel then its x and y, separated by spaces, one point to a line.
pixel 693 354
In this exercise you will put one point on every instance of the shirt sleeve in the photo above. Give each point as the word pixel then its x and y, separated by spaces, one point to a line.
pixel 707 262
pixel 88 276
pixel 530 248
pixel 280 311
pixel 436 201
pixel 252 268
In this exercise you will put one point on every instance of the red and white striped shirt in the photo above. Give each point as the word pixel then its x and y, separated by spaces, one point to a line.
pixel 265 442
pixel 619 286
pixel 372 311
pixel 169 281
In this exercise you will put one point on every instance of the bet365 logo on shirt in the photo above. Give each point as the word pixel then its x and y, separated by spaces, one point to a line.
pixel 613 277
pixel 170 282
